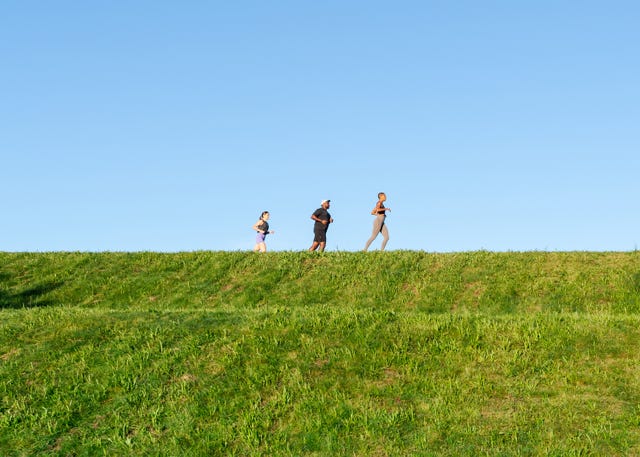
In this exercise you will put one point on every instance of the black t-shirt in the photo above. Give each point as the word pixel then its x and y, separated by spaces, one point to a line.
pixel 323 215
pixel 263 226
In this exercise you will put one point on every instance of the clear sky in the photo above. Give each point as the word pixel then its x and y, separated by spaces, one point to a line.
pixel 169 126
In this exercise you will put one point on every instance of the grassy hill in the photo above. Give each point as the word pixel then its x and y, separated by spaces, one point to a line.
pixel 295 353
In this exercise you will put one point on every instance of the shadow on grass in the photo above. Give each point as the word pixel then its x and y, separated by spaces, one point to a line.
pixel 32 297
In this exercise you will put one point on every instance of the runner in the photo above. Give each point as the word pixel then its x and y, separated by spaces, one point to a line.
pixel 322 220
pixel 379 225
pixel 262 227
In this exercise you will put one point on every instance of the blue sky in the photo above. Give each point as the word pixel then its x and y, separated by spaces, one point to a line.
pixel 170 126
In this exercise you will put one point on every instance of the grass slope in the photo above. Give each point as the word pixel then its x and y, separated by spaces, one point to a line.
pixel 397 353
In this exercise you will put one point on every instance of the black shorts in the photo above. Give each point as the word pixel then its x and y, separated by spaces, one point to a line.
pixel 320 235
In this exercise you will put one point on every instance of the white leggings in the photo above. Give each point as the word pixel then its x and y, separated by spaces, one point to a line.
pixel 378 227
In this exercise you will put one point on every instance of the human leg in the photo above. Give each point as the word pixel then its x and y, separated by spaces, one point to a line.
pixel 385 236
pixel 260 245
pixel 377 226
pixel 319 239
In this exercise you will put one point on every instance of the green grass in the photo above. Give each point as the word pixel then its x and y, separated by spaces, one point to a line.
pixel 396 353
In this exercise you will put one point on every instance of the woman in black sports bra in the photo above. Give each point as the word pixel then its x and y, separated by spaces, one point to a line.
pixel 379 225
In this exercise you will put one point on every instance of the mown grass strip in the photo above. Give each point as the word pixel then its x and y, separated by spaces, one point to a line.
pixel 495 283
pixel 327 380
pixel 399 353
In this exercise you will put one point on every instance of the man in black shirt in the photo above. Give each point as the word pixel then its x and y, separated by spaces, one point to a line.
pixel 322 220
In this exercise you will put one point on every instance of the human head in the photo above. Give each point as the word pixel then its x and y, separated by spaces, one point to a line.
pixel 382 196
pixel 265 215
pixel 325 203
